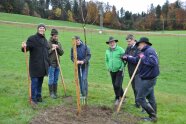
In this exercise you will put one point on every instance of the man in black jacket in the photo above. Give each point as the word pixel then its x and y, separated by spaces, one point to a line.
pixel 132 50
pixel 37 45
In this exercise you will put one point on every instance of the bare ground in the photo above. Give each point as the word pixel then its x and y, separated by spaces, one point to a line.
pixel 67 114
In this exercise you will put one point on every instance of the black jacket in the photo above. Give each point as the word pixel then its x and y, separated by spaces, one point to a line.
pixel 132 51
pixel 52 54
pixel 39 61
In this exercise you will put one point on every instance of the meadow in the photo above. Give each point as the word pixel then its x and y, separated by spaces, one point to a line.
pixel 170 89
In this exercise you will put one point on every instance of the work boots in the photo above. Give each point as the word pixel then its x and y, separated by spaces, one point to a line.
pixel 152 114
pixel 51 92
pixel 55 91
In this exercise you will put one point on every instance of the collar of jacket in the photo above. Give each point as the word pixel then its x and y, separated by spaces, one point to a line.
pixel 113 49
pixel 40 35
pixel 53 41
pixel 144 48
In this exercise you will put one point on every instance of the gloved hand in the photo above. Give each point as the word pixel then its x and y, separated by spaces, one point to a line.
pixel 141 55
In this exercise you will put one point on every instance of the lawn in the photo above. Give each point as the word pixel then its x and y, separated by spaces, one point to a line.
pixel 36 20
pixel 170 89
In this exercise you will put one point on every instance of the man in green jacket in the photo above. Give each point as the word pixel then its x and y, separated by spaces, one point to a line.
pixel 115 66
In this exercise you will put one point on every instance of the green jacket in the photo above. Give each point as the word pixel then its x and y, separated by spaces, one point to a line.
pixel 52 54
pixel 113 59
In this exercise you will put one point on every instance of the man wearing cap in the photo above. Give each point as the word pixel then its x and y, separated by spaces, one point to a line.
pixel 132 50
pixel 148 72
pixel 54 44
pixel 37 45
pixel 115 66
pixel 83 58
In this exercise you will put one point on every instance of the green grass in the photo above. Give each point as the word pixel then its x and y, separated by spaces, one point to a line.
pixel 36 20
pixel 170 89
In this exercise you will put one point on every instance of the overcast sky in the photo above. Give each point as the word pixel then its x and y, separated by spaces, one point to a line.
pixel 135 6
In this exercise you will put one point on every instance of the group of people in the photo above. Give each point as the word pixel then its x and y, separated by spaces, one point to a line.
pixel 44 61
pixel 144 80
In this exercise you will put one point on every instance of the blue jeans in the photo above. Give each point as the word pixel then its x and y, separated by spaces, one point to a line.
pixel 36 87
pixel 146 91
pixel 53 75
pixel 83 74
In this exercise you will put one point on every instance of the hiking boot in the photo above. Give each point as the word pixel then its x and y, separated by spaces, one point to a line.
pixel 55 91
pixel 116 102
pixel 39 99
pixel 50 87
pixel 152 119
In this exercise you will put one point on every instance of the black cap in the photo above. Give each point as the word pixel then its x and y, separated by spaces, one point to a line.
pixel 111 39
pixel 54 32
pixel 145 40
pixel 77 37
pixel 41 25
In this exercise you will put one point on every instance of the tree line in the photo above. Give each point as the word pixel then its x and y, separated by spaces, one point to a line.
pixel 169 16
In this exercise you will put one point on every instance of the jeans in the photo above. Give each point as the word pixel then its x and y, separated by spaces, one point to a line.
pixel 36 87
pixel 117 80
pixel 53 75
pixel 146 91
pixel 83 74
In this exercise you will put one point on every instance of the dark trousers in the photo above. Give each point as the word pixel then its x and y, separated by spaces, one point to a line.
pixel 36 87
pixel 117 80
pixel 146 91
pixel 83 74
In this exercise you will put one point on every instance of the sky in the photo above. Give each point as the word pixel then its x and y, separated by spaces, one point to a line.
pixel 135 6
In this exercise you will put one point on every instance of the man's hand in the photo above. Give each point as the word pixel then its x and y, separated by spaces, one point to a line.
pixel 141 55
pixel 23 44
pixel 80 62
pixel 124 57
pixel 54 46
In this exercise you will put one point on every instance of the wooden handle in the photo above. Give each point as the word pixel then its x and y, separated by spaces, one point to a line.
pixel 28 76
pixel 76 76
pixel 61 74
pixel 118 109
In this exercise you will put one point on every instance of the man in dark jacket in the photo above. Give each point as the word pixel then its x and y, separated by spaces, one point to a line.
pixel 132 50
pixel 54 67
pixel 83 57
pixel 148 72
pixel 37 45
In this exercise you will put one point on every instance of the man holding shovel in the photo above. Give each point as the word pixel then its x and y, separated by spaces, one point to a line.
pixel 148 72
pixel 37 45
pixel 54 46
pixel 83 58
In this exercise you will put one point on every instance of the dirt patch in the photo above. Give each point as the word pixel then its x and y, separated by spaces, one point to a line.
pixel 88 115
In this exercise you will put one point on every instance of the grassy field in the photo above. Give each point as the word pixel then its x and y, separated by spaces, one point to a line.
pixel 35 20
pixel 170 89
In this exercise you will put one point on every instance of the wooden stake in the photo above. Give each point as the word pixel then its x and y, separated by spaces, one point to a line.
pixel 118 109
pixel 61 74
pixel 28 76
pixel 76 75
